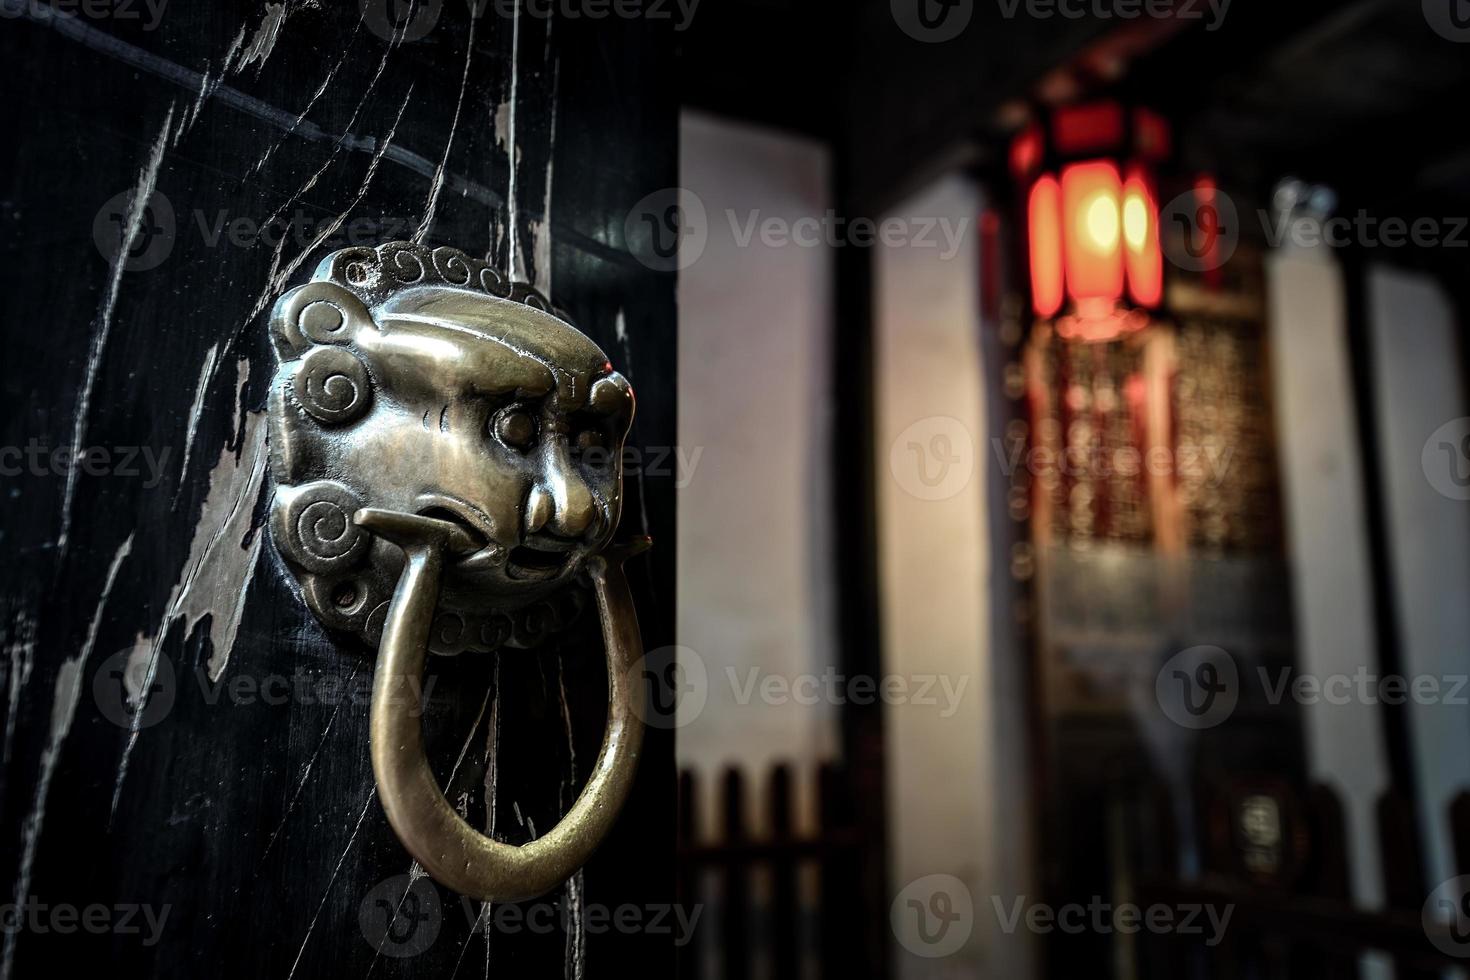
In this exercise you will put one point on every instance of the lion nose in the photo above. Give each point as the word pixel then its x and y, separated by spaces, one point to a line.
pixel 560 502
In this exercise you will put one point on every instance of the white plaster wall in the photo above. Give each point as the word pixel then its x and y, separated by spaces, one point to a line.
pixel 1418 388
pixel 1327 529
pixel 755 575
pixel 954 769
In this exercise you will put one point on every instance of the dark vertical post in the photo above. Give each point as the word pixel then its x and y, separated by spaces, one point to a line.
pixel 842 952
pixel 1460 830
pixel 735 934
pixel 785 956
pixel 856 569
pixel 1399 851
pixel 687 879
pixel 1328 875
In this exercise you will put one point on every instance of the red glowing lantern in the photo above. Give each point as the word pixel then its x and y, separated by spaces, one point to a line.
pixel 1093 217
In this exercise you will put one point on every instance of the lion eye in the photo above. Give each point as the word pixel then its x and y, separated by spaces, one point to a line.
pixel 516 429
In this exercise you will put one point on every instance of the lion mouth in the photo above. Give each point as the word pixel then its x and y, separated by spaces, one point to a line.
pixel 542 557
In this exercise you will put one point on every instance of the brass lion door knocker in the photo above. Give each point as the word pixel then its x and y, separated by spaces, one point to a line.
pixel 447 451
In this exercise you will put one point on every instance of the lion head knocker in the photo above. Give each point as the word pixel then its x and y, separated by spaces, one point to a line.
pixel 447 450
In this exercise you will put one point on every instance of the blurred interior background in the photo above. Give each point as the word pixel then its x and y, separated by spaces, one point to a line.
pixel 1073 478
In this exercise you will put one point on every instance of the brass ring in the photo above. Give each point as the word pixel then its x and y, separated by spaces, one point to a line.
pixel 450 850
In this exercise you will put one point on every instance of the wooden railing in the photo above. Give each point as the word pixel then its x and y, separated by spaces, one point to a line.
pixel 782 903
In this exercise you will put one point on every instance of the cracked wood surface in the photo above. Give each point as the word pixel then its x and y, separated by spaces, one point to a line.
pixel 178 732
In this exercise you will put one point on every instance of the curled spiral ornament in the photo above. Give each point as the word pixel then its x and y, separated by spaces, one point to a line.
pixel 315 522
pixel 406 266
pixel 332 386
pixel 493 282
pixel 323 322
pixel 450 635
pixel 453 265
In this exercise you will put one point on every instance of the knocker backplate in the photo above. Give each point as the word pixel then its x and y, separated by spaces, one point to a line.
pixel 418 380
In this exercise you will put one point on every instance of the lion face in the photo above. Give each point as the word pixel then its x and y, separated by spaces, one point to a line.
pixel 436 398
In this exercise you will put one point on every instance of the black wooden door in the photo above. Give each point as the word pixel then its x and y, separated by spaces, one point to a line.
pixel 185 787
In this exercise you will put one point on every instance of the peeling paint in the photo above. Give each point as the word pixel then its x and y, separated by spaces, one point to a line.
pixel 541 228
pixel 64 699
pixel 214 572
pixel 137 204
pixel 207 86
pixel 264 40
pixel 74 28
pixel 206 371
pixel 223 553
pixel 515 264
pixel 20 656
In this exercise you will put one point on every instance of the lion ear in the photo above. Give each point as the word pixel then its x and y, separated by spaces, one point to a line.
pixel 318 313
